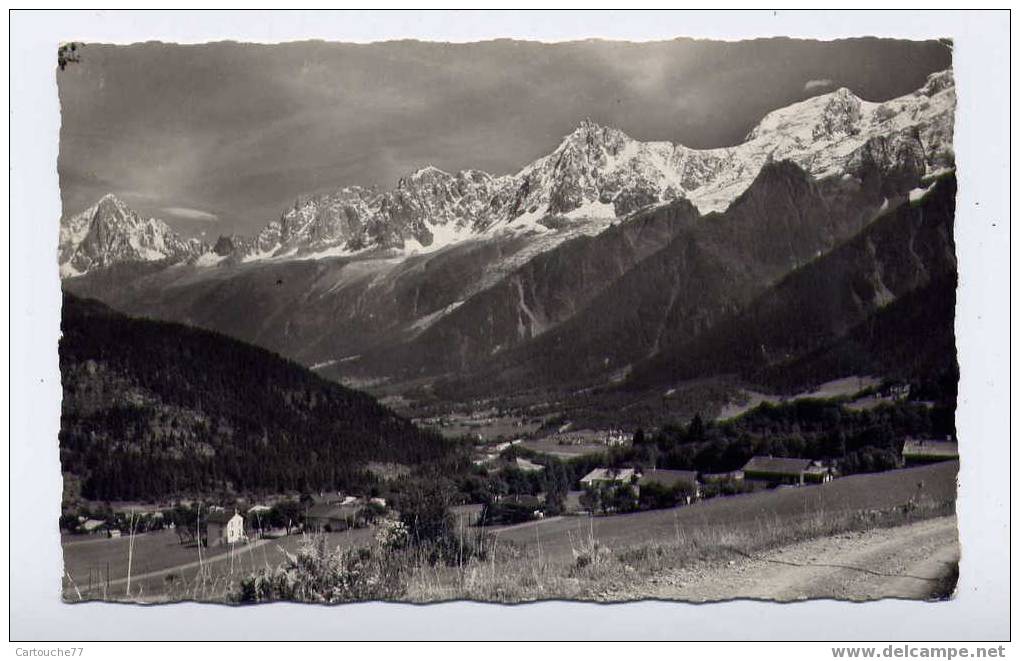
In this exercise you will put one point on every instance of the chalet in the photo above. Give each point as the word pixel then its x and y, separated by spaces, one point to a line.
pixel 331 517
pixel 223 527
pixel 928 451
pixel 899 391
pixel 785 470
pixel 671 479
pixel 608 476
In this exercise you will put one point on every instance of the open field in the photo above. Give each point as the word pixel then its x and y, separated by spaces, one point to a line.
pixel 749 512
pixel 488 428
pixel 844 387
pixel 863 537
pixel 550 446
pixel 158 555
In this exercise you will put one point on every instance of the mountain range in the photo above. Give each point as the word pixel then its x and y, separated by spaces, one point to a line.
pixel 595 172
pixel 608 261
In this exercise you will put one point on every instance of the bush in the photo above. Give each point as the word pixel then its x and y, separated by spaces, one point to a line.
pixel 506 513
pixel 392 535
pixel 590 556
pixel 317 574
pixel 425 512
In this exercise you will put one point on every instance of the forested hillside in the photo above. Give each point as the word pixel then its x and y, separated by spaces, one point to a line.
pixel 154 409
pixel 882 303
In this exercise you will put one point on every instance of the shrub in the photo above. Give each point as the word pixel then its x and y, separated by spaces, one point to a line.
pixel 506 513
pixel 590 556
pixel 392 535
pixel 425 512
pixel 319 575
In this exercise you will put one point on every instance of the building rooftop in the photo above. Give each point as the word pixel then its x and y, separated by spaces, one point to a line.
pixel 609 475
pixel 668 478
pixel 528 466
pixel 929 448
pixel 330 511
pixel 221 516
pixel 777 465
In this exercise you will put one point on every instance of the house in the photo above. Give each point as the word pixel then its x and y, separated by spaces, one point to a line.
pixel 379 502
pixel 929 451
pixel 785 470
pixel 259 509
pixel 114 533
pixel 223 527
pixel 899 391
pixel 608 476
pixel 330 517
pixel 672 479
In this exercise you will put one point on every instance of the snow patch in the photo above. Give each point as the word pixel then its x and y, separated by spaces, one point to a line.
pixel 593 210
pixel 327 363
pixel 209 259
pixel 429 319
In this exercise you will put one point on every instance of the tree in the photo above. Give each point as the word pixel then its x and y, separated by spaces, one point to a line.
pixel 591 499
pixel 66 54
pixel 425 510
pixel 696 430
pixel 622 498
pixel 68 522
pixel 287 514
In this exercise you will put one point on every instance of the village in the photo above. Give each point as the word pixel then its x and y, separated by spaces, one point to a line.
pixel 602 490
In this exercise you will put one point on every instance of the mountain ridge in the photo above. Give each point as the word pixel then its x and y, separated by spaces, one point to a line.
pixel 596 175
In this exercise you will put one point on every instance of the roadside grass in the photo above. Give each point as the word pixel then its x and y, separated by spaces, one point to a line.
pixel 597 572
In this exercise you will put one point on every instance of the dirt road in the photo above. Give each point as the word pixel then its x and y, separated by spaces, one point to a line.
pixel 908 562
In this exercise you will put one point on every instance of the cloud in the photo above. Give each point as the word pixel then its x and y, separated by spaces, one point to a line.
pixel 817 83
pixel 191 214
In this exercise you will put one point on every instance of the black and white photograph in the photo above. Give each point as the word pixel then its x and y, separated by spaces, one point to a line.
pixel 511 321
pixel 508 321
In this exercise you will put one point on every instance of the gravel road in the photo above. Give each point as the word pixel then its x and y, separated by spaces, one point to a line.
pixel 907 562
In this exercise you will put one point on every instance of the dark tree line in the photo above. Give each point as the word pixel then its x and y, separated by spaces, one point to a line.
pixel 858 441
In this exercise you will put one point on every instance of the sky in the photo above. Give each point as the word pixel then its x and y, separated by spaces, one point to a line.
pixel 222 138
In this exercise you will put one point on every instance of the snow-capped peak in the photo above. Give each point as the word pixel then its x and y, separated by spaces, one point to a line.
pixel 110 232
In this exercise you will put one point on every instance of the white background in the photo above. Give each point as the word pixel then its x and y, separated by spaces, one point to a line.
pixel 981 608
